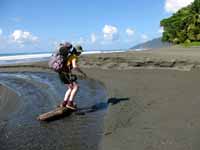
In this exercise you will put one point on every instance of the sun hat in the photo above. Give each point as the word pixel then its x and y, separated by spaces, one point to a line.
pixel 78 48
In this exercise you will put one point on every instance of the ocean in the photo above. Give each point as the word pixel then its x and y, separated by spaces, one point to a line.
pixel 14 58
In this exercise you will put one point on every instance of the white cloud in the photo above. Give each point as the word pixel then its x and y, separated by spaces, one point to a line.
pixel 18 39
pixel 161 30
pixel 1 31
pixel 23 37
pixel 80 41
pixel 93 38
pixel 110 32
pixel 144 37
pixel 129 31
pixel 172 6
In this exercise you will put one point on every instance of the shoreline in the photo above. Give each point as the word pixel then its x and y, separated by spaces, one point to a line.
pixel 150 107
pixel 185 59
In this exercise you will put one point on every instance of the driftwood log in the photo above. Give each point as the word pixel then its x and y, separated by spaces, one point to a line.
pixel 55 114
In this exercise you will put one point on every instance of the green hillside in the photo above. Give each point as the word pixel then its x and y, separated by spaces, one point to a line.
pixel 183 26
pixel 154 43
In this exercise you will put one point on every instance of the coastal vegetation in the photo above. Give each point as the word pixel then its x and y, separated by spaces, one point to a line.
pixel 183 27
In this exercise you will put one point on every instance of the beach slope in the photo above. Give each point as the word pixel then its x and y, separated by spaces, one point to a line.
pixel 153 97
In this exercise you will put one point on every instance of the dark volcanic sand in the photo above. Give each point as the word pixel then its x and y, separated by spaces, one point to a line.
pixel 152 105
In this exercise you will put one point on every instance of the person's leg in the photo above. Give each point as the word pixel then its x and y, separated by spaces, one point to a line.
pixel 73 93
pixel 68 92
pixel 67 95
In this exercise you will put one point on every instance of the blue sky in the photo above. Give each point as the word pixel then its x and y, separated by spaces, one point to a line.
pixel 38 25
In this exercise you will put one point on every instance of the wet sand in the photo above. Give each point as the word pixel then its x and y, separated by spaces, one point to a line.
pixel 8 99
pixel 153 97
pixel 152 109
pixel 25 95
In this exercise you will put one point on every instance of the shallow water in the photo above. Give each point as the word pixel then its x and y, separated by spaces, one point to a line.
pixel 41 92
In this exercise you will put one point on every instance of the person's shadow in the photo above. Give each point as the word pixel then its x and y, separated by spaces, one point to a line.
pixel 114 100
pixel 90 109
pixel 101 105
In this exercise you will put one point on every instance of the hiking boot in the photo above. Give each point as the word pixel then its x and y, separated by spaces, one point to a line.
pixel 63 104
pixel 71 105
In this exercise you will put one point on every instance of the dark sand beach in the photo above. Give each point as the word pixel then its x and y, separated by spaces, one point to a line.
pixel 153 97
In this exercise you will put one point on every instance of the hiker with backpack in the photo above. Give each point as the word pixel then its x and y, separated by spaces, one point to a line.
pixel 65 65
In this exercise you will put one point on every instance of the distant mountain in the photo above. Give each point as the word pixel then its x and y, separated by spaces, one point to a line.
pixel 155 43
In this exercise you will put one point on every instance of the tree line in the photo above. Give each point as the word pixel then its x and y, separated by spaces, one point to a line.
pixel 183 26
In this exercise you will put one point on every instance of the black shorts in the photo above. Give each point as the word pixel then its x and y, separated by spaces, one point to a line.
pixel 67 78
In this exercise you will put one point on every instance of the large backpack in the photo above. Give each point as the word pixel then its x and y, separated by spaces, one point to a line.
pixel 59 57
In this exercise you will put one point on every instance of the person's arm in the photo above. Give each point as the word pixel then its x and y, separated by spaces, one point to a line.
pixel 76 67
